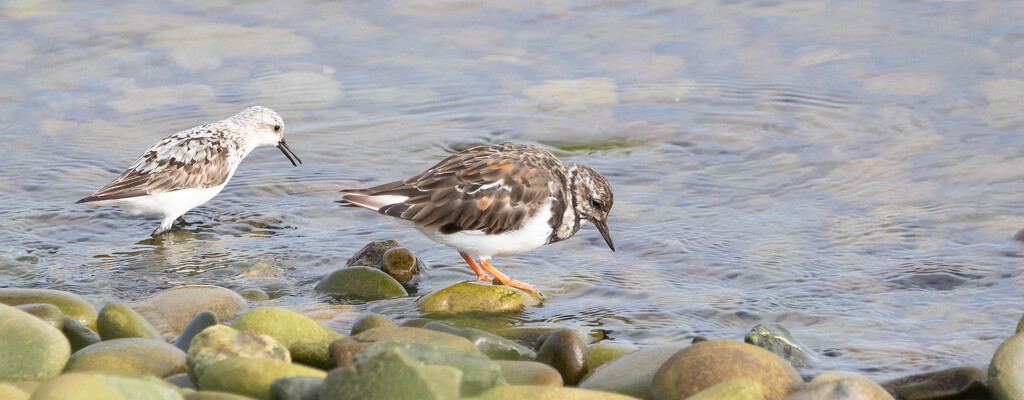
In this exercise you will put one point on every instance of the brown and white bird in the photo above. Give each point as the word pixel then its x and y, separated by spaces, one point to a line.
pixel 188 168
pixel 495 200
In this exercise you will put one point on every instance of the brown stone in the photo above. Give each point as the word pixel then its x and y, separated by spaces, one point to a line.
pixel 961 382
pixel 705 364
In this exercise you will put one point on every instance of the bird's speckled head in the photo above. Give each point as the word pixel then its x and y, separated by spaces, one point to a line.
pixel 266 129
pixel 594 198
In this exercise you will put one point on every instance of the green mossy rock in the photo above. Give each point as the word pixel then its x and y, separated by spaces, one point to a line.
pixel 362 283
pixel 601 353
pixel 79 335
pixel 136 355
pixel 548 393
pixel 391 374
pixel 221 342
pixel 494 346
pixel 476 296
pixel 529 373
pixel 305 339
pixel 733 389
pixel 69 304
pixel 633 373
pixel 49 313
pixel 171 310
pixel 199 323
pixel 369 322
pixel 253 294
pixel 708 363
pixel 105 385
pixel 399 264
pixel 478 373
pixel 250 376
pixel 30 349
pixel 117 321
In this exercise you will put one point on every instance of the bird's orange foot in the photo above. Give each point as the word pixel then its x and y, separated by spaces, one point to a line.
pixel 505 280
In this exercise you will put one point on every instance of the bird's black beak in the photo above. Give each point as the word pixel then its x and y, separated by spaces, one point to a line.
pixel 288 152
pixel 602 226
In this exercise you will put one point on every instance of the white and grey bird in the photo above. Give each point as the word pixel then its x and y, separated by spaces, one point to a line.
pixel 188 168
pixel 495 200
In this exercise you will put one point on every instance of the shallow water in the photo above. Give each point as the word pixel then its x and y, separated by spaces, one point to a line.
pixel 849 169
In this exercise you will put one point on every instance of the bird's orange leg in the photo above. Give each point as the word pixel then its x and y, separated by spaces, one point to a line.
pixel 480 274
pixel 505 280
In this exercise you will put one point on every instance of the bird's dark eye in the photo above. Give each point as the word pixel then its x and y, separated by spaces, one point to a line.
pixel 596 204
pixel 277 128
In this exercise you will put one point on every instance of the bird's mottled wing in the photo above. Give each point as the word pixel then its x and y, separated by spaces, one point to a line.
pixel 487 188
pixel 197 158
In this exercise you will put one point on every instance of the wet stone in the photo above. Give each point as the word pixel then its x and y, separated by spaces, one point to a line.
pixel 601 353
pixel 633 373
pixel 955 383
pixel 70 304
pixel 705 364
pixel 106 385
pixel 529 373
pixel 296 388
pixel 136 355
pixel 372 254
pixel 547 393
pixel 733 389
pixel 343 350
pixel 841 385
pixel 306 339
pixel 478 373
pixel 221 342
pixel 567 353
pixel 47 312
pixel 777 339
pixel 251 376
pixel 253 294
pixel 31 349
pixel 171 310
pixel 400 264
pixel 1006 371
pixel 476 296
pixel 391 374
pixel 78 335
pixel 369 322
pixel 360 283
pixel 117 321
pixel 494 346
pixel 200 322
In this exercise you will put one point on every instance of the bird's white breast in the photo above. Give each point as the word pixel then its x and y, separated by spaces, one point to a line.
pixel 533 233
pixel 170 203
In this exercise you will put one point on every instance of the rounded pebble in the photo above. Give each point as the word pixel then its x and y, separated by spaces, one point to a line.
pixel 31 349
pixel 69 304
pixel 222 342
pixel 362 283
pixel 400 264
pixel 137 355
pixel 369 322
pixel 117 321
pixel 49 313
pixel 631 374
pixel 251 376
pixel 253 294
pixel 199 323
pixel 476 296
pixel 171 310
pixel 1005 377
pixel 530 373
pixel 705 364
pixel 306 339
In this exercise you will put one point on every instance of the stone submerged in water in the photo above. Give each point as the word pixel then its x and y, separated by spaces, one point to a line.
pixel 954 383
pixel 777 339
pixel 106 385
pixel 117 321
pixel 633 373
pixel 136 355
pixel 360 283
pixel 566 352
pixel 251 376
pixel 171 310
pixel 221 342
pixel 841 385
pixel 1006 371
pixel 305 339
pixel 494 346
pixel 253 294
pixel 476 296
pixel 31 349
pixel 705 364
pixel 69 304
pixel 391 374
